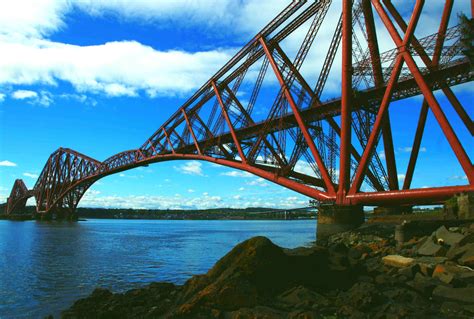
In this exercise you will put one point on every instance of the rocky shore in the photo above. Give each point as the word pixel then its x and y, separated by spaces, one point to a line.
pixel 364 273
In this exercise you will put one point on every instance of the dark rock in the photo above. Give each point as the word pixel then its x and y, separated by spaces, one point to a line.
pixel 346 311
pixel 466 278
pixel 468 239
pixel 363 296
pixel 449 238
pixel 137 303
pixel 373 265
pixel 354 253
pixel 421 241
pixel 339 262
pixel 443 274
pixel 469 309
pixel 409 271
pixel 338 248
pixel 457 251
pixel 262 312
pixel 456 294
pixel 423 284
pixel 467 257
pixel 429 248
pixel 451 309
pixel 300 314
pixel 383 279
pixel 467 261
pixel 428 264
pixel 301 296
pixel 364 278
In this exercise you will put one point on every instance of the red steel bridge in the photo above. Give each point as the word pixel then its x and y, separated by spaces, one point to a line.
pixel 273 131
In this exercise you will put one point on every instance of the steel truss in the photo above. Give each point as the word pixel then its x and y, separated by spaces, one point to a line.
pixel 334 140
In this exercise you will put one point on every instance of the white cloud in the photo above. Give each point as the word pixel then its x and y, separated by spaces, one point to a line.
pixel 242 189
pixel 24 94
pixel 96 199
pixel 237 174
pixel 7 163
pixel 81 98
pixel 129 68
pixel 190 168
pixel 258 182
pixel 191 190
pixel 121 68
pixel 44 98
pixel 130 176
pixel 114 68
pixel 30 18
pixel 459 177
pixel 2 97
pixel 30 175
pixel 401 177
pixel 33 18
pixel 408 149
pixel 304 167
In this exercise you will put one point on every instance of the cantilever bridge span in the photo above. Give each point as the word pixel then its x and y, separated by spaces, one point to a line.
pixel 272 133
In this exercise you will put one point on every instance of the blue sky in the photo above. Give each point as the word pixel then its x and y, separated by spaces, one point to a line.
pixel 101 76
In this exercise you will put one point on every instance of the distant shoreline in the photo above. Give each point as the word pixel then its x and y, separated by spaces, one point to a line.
pixel 254 213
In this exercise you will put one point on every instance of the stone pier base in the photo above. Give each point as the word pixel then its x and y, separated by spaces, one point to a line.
pixel 335 219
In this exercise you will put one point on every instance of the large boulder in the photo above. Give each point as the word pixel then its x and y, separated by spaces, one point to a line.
pixel 241 278
pixel 255 272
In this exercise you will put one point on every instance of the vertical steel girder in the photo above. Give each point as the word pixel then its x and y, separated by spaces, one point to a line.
pixel 215 126
pixel 346 94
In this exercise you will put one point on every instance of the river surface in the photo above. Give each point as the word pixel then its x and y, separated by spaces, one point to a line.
pixel 45 267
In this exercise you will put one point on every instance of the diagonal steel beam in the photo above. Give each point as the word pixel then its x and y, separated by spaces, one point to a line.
pixel 446 127
pixel 361 169
pixel 299 119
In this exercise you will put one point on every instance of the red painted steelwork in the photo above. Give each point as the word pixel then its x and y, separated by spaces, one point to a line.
pixel 297 141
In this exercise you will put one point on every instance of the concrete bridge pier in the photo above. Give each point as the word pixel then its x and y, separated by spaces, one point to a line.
pixel 334 219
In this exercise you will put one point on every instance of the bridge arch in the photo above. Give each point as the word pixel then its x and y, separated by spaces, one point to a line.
pixel 70 197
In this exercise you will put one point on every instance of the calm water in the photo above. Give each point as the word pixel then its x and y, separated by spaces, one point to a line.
pixel 45 267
